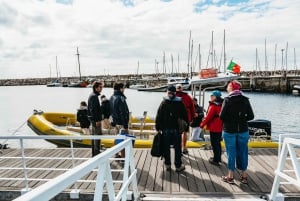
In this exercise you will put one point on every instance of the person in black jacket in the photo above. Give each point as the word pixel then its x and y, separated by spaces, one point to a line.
pixel 119 111
pixel 95 115
pixel 196 133
pixel 82 118
pixel 170 109
pixel 235 113
pixel 105 108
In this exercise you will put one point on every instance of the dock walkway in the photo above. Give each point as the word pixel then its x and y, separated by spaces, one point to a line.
pixel 200 179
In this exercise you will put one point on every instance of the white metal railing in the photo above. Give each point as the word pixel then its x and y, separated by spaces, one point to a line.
pixel 99 163
pixel 287 152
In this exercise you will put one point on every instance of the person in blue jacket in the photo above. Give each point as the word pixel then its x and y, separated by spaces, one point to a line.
pixel 119 111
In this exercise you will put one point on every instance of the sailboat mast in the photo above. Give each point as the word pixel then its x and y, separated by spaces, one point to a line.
pixel 56 67
pixel 191 66
pixel 199 58
pixel 137 71
pixel 275 57
pixel 286 52
pixel 78 64
pixel 188 65
pixel 224 53
pixel 212 49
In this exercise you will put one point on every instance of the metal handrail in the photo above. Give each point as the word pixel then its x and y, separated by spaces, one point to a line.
pixel 101 162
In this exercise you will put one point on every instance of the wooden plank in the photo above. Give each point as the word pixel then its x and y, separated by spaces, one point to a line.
pixel 196 171
pixel 199 177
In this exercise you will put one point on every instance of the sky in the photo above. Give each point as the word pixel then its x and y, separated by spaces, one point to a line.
pixel 145 36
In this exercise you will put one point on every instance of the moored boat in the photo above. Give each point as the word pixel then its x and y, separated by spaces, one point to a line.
pixel 55 83
pixel 154 89
pixel 296 90
pixel 185 82
pixel 62 124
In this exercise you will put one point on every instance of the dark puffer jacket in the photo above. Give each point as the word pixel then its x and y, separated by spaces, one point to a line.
pixel 119 109
pixel 236 112
pixel 168 113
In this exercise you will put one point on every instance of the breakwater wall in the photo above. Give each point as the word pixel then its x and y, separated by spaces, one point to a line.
pixel 262 81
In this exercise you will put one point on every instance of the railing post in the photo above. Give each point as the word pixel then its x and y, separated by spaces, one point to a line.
pixel 24 167
pixel 288 148
pixel 74 194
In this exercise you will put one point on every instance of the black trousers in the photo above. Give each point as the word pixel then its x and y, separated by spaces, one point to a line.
pixel 96 144
pixel 215 140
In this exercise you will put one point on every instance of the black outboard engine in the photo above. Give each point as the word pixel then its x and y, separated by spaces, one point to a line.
pixel 260 128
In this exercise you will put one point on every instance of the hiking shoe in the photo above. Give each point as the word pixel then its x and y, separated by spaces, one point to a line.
pixel 168 167
pixel 181 168
pixel 185 151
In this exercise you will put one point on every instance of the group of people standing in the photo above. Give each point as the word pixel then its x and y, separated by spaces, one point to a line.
pixel 226 118
pixel 104 113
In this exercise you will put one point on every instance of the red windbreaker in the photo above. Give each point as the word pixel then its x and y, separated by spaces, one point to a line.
pixel 212 119
pixel 188 103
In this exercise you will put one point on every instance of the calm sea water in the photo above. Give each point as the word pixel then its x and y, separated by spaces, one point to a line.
pixel 18 103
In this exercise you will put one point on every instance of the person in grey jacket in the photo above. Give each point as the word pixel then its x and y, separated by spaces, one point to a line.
pixel 235 113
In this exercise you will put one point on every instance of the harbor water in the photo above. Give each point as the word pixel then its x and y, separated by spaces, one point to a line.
pixel 18 103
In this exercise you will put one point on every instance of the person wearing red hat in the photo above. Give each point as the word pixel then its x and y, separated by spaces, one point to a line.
pixel 235 113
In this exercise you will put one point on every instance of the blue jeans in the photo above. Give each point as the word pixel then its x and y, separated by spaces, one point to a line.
pixel 237 149
pixel 172 137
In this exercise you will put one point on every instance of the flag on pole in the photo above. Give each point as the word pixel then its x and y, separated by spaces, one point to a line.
pixel 234 68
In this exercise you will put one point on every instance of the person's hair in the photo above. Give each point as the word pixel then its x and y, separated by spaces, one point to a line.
pixel 195 99
pixel 96 84
pixel 102 96
pixel 118 86
pixel 83 103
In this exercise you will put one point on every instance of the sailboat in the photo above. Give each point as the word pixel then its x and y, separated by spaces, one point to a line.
pixel 79 83
pixel 56 82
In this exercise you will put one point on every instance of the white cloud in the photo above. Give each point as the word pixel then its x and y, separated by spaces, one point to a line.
pixel 112 37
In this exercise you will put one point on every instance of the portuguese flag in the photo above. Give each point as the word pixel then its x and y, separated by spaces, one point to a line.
pixel 234 68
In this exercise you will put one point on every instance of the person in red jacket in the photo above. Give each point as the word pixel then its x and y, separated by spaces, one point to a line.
pixel 191 112
pixel 214 125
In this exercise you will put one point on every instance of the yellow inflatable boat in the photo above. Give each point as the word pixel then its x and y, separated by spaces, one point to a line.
pixel 63 124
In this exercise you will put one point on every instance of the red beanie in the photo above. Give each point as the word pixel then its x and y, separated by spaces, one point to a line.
pixel 236 85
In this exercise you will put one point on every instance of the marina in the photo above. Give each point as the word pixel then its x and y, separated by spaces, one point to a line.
pixel 200 179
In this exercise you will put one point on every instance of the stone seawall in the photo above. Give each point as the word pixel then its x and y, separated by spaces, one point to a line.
pixel 263 81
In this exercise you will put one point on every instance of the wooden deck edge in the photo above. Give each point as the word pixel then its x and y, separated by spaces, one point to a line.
pixel 8 195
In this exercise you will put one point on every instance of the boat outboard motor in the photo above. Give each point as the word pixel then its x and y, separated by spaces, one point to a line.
pixel 260 128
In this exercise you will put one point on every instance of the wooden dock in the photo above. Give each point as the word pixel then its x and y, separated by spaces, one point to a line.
pixel 200 179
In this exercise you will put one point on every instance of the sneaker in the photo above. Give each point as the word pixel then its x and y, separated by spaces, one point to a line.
pixel 181 168
pixel 185 151
pixel 168 167
pixel 211 161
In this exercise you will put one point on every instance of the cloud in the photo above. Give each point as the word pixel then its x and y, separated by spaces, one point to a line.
pixel 113 36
